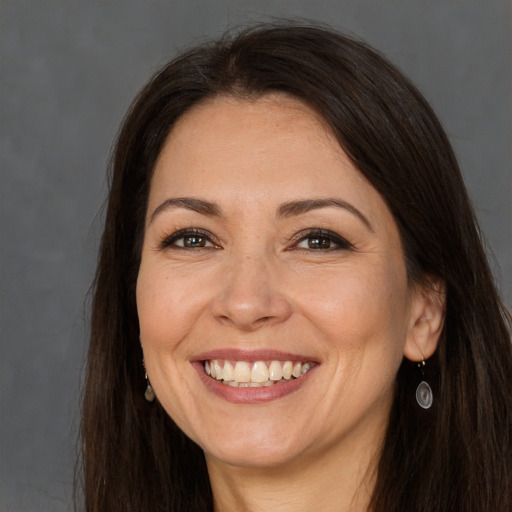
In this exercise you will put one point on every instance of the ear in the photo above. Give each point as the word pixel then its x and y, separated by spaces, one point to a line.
pixel 427 311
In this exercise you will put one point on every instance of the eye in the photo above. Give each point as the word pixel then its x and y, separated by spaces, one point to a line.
pixel 189 239
pixel 322 240
pixel 193 241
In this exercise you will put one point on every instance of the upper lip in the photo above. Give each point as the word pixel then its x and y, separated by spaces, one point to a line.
pixel 252 355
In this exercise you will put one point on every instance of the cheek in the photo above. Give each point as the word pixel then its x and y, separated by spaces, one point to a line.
pixel 166 314
pixel 166 309
pixel 361 311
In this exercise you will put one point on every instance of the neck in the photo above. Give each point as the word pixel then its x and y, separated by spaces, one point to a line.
pixel 331 482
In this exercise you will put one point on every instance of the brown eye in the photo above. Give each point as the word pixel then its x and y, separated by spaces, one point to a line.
pixel 194 241
pixel 320 242
pixel 189 239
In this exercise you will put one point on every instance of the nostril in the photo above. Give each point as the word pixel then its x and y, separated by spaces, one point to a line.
pixel 248 306
pixel 249 323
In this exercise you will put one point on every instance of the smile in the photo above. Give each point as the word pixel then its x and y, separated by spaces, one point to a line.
pixel 244 374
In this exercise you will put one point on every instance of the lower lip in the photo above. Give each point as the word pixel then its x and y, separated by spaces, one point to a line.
pixel 251 396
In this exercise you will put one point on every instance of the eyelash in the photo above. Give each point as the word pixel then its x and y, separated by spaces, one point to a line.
pixel 313 234
pixel 171 240
pixel 322 234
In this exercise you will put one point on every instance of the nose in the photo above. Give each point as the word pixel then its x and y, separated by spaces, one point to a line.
pixel 251 295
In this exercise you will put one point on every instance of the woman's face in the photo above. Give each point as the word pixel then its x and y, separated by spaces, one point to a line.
pixel 270 260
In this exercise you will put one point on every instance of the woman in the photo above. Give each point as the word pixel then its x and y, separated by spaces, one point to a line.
pixel 291 264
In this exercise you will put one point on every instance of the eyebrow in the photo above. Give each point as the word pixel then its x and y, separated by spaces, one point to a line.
pixel 294 208
pixel 189 203
pixel 289 209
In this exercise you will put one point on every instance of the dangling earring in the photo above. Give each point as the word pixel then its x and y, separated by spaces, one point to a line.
pixel 424 395
pixel 149 394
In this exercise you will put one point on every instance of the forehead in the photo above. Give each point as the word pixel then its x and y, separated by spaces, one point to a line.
pixel 231 139
pixel 272 107
pixel 226 120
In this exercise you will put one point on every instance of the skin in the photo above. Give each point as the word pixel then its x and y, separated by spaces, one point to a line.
pixel 258 283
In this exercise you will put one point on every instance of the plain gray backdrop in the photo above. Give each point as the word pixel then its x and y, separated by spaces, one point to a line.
pixel 68 71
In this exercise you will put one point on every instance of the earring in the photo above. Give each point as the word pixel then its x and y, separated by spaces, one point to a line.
pixel 424 395
pixel 149 394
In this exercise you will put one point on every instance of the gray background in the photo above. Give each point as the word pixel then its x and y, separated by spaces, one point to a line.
pixel 68 70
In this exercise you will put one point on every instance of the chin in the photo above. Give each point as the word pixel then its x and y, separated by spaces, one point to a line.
pixel 259 452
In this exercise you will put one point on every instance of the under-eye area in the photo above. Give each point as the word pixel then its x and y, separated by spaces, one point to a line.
pixel 245 374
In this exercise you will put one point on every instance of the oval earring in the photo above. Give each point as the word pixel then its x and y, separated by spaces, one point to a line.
pixel 149 394
pixel 424 395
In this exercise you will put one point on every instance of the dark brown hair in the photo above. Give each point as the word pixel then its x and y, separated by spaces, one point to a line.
pixel 455 456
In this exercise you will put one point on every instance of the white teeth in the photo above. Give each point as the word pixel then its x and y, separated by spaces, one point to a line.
pixel 216 369
pixel 287 370
pixel 259 372
pixel 242 372
pixel 235 384
pixel 305 368
pixel 275 370
pixel 228 373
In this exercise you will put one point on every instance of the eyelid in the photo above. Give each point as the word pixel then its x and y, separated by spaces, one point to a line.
pixel 170 240
pixel 341 242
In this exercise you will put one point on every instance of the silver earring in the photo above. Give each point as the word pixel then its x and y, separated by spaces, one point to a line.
pixel 149 394
pixel 424 395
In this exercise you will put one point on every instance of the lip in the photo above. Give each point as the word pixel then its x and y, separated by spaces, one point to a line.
pixel 253 355
pixel 252 396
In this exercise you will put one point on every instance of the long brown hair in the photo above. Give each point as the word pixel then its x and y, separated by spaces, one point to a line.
pixel 455 456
